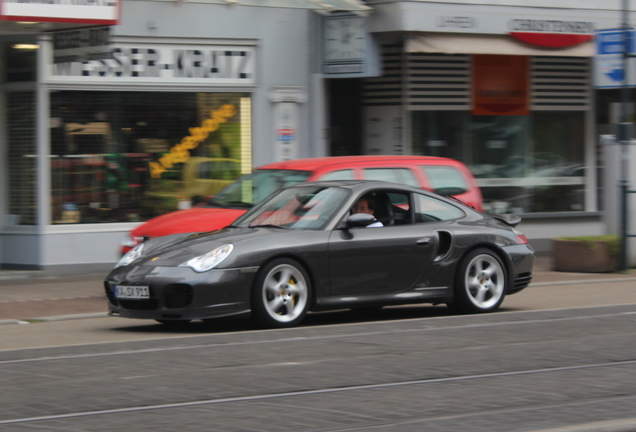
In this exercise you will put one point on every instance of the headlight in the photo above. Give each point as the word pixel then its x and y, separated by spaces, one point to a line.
pixel 209 260
pixel 129 242
pixel 131 256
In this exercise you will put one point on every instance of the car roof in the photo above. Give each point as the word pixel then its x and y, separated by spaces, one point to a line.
pixel 314 163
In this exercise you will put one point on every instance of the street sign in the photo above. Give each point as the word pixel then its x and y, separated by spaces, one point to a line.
pixel 608 64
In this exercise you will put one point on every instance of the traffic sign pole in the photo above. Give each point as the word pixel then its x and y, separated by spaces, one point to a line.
pixel 624 133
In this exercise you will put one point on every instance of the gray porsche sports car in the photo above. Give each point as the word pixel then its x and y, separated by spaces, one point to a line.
pixel 327 245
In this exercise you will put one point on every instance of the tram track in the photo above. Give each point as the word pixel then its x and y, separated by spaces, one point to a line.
pixel 316 392
pixel 283 339
pixel 410 374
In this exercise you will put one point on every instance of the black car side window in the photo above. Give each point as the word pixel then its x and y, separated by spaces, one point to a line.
pixel 429 209
pixel 391 207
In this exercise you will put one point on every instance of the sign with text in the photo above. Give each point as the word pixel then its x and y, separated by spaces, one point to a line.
pixel 608 63
pixel 500 85
pixel 151 64
pixel 69 11
pixel 551 33
pixel 81 45
pixel 286 131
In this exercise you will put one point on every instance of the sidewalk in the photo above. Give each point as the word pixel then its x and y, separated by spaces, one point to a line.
pixel 32 296
pixel 544 274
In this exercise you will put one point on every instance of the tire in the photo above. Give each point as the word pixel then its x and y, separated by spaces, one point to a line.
pixel 480 283
pixel 281 294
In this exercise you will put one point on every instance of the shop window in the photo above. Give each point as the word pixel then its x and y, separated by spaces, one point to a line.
pixel 529 164
pixel 523 164
pixel 21 158
pixel 20 61
pixel 439 133
pixel 130 156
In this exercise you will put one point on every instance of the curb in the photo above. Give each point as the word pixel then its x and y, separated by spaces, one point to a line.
pixel 623 425
pixel 582 282
pixel 105 314
pixel 54 318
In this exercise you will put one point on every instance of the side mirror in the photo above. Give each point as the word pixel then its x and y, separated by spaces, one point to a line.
pixel 358 220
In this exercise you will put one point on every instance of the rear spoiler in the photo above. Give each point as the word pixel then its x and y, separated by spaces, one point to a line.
pixel 509 219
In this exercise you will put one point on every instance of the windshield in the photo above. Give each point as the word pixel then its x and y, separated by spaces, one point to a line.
pixel 252 188
pixel 309 207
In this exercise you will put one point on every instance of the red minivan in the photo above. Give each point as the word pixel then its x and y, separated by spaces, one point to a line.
pixel 440 175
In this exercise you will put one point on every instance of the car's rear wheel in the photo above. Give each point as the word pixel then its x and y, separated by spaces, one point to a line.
pixel 481 282
pixel 281 295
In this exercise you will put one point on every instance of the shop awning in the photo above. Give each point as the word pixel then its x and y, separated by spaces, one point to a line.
pixel 488 44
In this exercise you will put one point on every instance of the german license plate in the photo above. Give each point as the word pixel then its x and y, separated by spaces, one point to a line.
pixel 131 292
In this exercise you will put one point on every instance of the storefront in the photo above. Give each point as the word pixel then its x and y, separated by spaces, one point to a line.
pixel 508 90
pixel 129 154
pixel 128 138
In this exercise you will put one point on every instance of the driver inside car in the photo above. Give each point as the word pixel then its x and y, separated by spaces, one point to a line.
pixel 366 204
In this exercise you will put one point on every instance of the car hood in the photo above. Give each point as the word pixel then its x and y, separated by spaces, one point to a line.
pixel 177 249
pixel 197 219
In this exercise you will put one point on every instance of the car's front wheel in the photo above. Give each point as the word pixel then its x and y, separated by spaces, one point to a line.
pixel 281 295
pixel 481 282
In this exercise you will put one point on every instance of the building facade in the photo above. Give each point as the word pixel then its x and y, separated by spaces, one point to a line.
pixel 507 87
pixel 190 96
pixel 187 96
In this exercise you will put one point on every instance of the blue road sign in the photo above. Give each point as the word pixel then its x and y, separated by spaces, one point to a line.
pixel 609 58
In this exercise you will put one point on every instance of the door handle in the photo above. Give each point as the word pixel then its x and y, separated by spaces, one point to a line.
pixel 423 241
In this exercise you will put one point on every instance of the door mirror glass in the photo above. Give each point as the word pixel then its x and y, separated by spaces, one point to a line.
pixel 359 220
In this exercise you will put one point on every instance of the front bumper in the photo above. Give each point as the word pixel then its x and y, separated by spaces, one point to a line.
pixel 180 293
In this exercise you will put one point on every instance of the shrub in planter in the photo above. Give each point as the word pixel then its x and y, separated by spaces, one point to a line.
pixel 586 254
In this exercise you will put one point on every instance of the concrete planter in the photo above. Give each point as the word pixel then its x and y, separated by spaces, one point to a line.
pixel 585 255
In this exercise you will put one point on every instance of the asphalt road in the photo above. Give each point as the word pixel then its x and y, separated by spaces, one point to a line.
pixel 510 371
pixel 558 357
